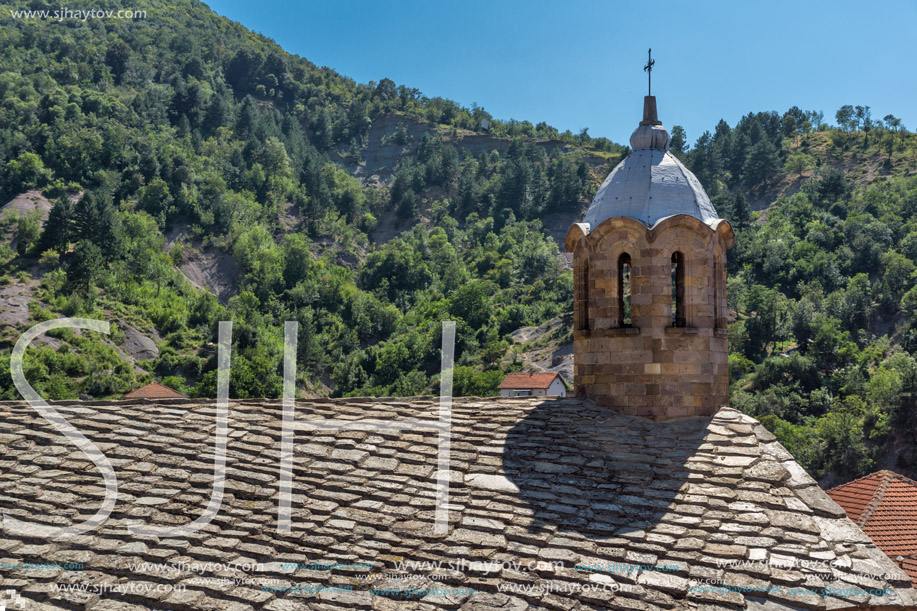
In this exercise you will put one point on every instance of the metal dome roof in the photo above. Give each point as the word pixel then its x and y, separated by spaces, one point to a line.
pixel 651 183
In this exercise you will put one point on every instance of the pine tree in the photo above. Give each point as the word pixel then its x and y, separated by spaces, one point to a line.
pixel 679 139
pixel 761 163
pixel 59 228
pixel 96 220
pixel 85 265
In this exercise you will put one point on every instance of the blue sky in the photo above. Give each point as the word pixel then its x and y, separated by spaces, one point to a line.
pixel 580 64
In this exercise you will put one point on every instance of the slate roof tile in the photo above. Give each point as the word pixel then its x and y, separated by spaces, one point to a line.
pixel 536 481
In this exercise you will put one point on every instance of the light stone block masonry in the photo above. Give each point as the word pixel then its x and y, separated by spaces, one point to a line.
pixel 669 360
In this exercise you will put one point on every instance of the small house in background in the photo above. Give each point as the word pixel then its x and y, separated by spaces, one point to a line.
pixel 533 385
pixel 884 505
pixel 155 390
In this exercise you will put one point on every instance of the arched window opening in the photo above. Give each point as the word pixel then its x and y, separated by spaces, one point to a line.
pixel 678 289
pixel 624 270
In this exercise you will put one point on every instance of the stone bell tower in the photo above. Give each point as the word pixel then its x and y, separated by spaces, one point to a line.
pixel 649 304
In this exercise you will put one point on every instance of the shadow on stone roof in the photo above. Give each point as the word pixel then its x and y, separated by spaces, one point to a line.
pixel 547 494
pixel 586 469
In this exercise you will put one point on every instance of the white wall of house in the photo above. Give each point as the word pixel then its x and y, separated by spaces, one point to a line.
pixel 556 388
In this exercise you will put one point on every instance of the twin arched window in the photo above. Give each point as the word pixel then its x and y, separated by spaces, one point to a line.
pixel 678 289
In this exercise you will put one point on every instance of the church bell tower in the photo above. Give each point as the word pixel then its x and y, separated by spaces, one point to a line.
pixel 649 265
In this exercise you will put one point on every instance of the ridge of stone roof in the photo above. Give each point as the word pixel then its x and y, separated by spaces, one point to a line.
pixel 533 480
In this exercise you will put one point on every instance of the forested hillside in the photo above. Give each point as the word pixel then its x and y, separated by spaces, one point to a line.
pixel 182 144
pixel 822 282
pixel 170 172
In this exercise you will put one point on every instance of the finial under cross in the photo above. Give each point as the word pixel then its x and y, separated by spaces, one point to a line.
pixel 648 68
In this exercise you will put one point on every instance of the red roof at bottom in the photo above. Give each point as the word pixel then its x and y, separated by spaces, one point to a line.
pixel 155 390
pixel 884 505
pixel 528 380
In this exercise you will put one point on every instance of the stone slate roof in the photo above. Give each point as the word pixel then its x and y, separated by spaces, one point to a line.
pixel 884 505
pixel 533 480
pixel 650 185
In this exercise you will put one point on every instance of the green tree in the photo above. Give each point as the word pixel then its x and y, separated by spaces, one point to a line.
pixel 892 123
pixel 358 123
pixel 260 259
pixel 297 259
pixel 117 57
pixel 761 164
pixel 845 117
pixel 472 303
pixel 799 163
pixel 898 275
pixel 888 143
pixel 95 219
pixel 23 173
pixel 845 450
pixel 863 119
pixel 60 227
pixel 679 139
pixel 85 266
pixel 467 382
pixel 156 199
pixel 27 234
pixel 766 318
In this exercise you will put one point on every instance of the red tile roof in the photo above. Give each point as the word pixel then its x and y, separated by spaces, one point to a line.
pixel 528 380
pixel 909 565
pixel 884 505
pixel 154 390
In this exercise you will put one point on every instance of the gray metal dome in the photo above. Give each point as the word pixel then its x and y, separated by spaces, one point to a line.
pixel 651 183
